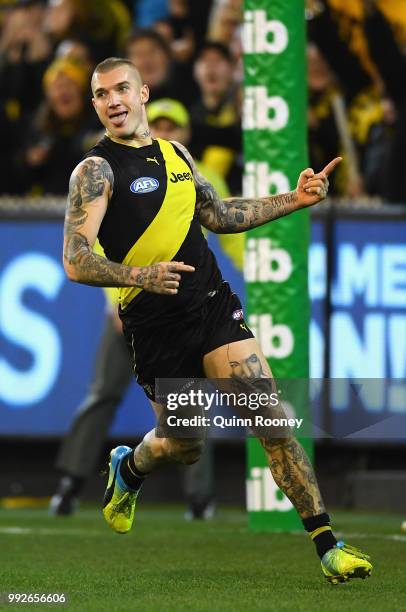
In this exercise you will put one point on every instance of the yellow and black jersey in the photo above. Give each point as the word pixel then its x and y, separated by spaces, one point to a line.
pixel 151 217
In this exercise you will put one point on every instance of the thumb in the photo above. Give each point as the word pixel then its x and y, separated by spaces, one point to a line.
pixel 305 175
pixel 308 173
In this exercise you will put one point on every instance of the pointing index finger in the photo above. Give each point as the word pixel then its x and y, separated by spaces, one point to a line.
pixel 330 166
pixel 180 267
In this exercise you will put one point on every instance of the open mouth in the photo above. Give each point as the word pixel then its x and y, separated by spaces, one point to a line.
pixel 118 119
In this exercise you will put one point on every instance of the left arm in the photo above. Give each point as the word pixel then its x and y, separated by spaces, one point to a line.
pixel 234 215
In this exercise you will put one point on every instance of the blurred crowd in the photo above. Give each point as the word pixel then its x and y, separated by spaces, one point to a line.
pixel 357 94
pixel 190 55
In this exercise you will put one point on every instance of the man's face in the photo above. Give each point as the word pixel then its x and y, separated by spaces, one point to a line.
pixel 119 98
pixel 213 72
pixel 150 60
pixel 65 97
pixel 319 74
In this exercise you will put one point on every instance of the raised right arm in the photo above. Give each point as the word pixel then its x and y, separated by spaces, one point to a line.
pixel 90 188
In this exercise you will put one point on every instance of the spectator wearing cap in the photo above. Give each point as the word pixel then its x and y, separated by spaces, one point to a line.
pixel 216 116
pixel 61 130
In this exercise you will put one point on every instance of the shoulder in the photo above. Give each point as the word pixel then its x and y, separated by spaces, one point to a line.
pixel 199 180
pixel 94 167
pixel 185 153
pixel 92 175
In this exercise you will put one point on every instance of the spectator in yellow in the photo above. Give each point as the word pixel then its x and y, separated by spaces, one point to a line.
pixel 58 136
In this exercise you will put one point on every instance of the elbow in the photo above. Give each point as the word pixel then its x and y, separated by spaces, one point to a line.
pixel 226 230
pixel 223 229
pixel 71 271
pixel 214 228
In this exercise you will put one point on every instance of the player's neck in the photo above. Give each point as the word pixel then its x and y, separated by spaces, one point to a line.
pixel 137 141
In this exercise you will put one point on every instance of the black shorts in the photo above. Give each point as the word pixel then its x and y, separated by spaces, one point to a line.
pixel 176 350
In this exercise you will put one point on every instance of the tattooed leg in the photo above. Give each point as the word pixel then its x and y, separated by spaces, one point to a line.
pixel 153 452
pixel 294 475
pixel 246 367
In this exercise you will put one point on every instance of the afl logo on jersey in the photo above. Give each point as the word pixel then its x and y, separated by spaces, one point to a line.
pixel 144 184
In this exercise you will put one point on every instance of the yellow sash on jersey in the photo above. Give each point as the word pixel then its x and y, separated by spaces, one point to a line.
pixel 165 235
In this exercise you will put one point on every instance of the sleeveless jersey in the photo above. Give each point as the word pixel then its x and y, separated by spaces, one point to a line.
pixel 151 217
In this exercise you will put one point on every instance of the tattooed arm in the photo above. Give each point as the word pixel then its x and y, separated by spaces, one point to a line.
pixel 90 188
pixel 234 215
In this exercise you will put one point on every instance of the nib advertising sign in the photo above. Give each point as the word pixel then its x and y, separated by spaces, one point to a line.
pixel 276 254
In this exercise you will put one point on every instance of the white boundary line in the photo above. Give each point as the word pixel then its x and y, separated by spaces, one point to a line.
pixel 375 536
pixel 363 536
pixel 43 531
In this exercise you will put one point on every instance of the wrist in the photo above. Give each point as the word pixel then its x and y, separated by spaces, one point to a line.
pixel 297 201
pixel 138 276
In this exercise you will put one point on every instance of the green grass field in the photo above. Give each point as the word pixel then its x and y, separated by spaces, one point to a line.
pixel 167 564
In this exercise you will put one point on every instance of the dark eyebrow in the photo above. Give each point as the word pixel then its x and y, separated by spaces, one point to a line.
pixel 100 89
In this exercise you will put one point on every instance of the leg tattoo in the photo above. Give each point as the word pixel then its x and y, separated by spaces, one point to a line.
pixel 289 464
pixel 150 453
pixel 294 475
pixel 153 452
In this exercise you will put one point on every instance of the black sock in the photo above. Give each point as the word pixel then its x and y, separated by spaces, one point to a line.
pixel 320 532
pixel 131 475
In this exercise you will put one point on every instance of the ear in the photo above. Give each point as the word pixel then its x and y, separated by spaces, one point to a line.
pixel 94 103
pixel 144 94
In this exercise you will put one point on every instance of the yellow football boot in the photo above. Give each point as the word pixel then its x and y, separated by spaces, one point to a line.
pixel 344 562
pixel 119 499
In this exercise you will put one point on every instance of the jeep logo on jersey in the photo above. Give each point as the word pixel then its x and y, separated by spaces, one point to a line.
pixel 144 184
pixel 185 176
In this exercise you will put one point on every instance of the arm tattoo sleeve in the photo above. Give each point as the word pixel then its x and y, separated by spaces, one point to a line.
pixel 234 215
pixel 87 184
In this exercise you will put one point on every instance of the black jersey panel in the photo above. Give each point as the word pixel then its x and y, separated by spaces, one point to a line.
pixel 152 215
pixel 139 190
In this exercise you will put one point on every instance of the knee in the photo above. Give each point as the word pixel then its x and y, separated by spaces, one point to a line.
pixel 275 445
pixel 185 451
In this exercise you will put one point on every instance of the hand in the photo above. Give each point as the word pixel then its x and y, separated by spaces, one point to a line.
pixel 312 188
pixel 37 155
pixel 163 277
